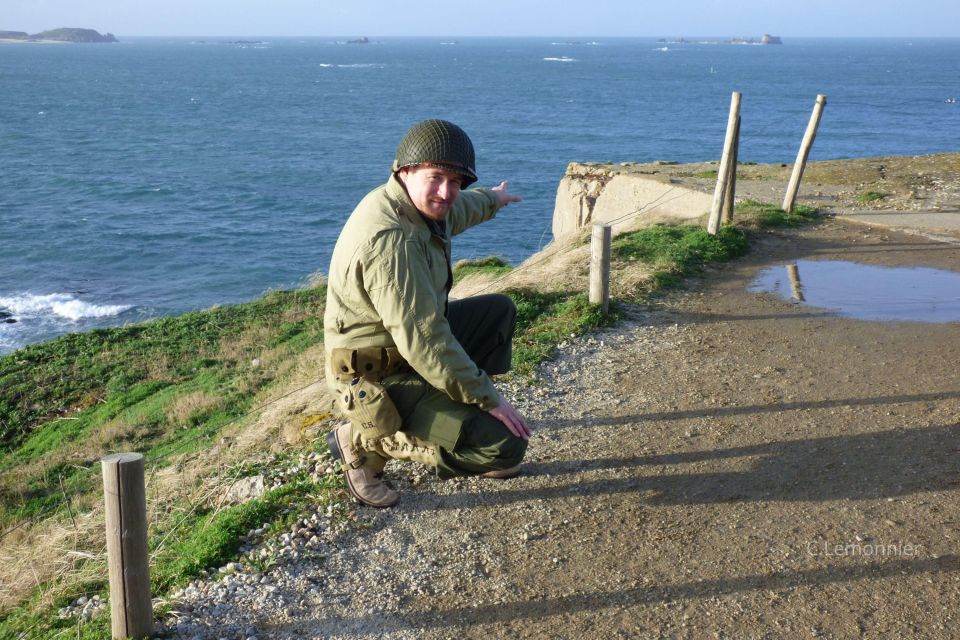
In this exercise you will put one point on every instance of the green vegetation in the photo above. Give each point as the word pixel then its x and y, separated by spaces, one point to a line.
pixel 677 251
pixel 492 265
pixel 765 216
pixel 871 196
pixel 210 539
pixel 168 388
pixel 89 378
pixel 181 548
pixel 544 320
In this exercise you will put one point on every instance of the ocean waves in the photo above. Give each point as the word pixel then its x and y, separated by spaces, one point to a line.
pixel 27 316
pixel 62 305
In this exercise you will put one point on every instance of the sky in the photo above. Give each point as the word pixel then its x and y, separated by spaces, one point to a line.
pixel 372 18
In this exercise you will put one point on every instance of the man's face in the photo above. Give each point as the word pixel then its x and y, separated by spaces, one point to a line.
pixel 432 190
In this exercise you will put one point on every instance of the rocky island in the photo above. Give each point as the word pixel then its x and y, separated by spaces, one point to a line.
pixel 63 34
pixel 766 39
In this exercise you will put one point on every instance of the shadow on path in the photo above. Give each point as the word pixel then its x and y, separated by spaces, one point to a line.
pixel 889 463
pixel 723 412
pixel 529 610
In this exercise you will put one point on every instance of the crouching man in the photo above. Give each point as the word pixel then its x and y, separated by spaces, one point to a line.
pixel 409 369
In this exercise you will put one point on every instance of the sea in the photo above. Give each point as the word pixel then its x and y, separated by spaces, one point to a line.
pixel 161 175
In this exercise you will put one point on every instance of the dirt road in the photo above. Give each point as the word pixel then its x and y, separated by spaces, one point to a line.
pixel 722 464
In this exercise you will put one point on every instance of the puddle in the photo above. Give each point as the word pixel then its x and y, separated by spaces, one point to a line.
pixel 866 292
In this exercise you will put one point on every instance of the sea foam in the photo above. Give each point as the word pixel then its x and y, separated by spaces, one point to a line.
pixel 63 305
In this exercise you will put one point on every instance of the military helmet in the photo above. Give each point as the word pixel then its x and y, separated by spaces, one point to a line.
pixel 438 143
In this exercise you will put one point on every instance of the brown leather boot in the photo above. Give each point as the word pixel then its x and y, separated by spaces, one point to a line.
pixel 364 471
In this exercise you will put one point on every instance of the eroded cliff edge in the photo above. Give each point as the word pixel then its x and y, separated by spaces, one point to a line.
pixel 629 194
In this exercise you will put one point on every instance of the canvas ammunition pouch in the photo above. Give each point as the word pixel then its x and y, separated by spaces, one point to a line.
pixel 362 397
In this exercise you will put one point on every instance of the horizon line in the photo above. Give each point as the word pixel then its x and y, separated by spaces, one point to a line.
pixel 565 36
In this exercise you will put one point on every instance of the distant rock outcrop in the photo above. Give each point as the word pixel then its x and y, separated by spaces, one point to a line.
pixel 64 34
pixel 766 39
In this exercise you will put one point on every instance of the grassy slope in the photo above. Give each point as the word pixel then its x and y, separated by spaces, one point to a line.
pixel 170 386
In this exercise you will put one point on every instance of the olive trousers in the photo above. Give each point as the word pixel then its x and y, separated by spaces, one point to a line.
pixel 469 440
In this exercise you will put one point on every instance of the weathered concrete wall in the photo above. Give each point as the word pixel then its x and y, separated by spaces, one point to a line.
pixel 630 196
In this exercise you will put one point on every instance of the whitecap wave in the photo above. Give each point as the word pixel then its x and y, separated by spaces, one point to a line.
pixel 357 65
pixel 63 305
pixel 560 59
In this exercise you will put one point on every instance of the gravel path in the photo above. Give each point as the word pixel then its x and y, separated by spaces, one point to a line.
pixel 724 464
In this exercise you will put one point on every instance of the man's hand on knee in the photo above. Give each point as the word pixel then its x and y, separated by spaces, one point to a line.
pixel 509 416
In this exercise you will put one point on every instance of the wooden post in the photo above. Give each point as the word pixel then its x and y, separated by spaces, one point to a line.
pixel 131 609
pixel 722 173
pixel 794 186
pixel 600 266
pixel 731 193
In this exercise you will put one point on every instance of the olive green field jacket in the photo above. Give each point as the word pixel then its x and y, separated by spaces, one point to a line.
pixel 388 284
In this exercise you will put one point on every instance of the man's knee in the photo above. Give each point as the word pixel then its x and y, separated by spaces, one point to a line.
pixel 512 451
pixel 487 442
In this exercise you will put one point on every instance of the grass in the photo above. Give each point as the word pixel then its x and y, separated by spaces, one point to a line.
pixel 168 388
pixel 491 265
pixel 210 539
pixel 74 374
pixel 765 216
pixel 181 549
pixel 871 196
pixel 544 320
pixel 677 251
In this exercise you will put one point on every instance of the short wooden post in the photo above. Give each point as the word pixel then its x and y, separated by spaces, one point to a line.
pixel 131 609
pixel 793 187
pixel 713 224
pixel 600 266
pixel 731 193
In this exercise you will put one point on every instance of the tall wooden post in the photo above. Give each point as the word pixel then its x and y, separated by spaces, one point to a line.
pixel 131 609
pixel 713 224
pixel 600 266
pixel 731 193
pixel 808 137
